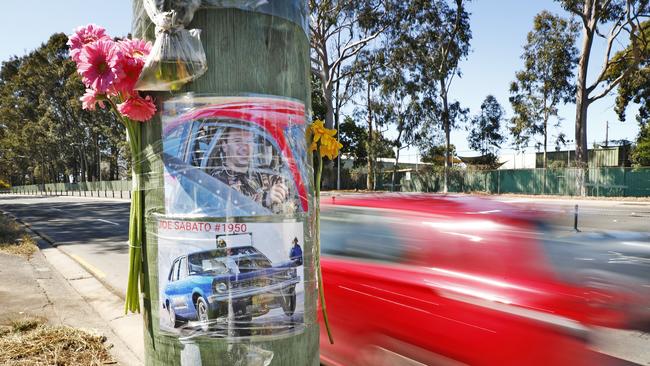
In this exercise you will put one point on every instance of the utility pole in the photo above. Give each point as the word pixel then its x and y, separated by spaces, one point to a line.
pixel 606 133
pixel 262 50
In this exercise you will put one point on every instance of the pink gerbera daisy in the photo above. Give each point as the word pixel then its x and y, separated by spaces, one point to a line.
pixel 89 100
pixel 137 108
pixel 130 63
pixel 83 36
pixel 96 64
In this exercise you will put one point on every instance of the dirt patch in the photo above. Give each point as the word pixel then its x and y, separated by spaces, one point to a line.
pixel 30 341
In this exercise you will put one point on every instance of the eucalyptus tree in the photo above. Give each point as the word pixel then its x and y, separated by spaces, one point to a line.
pixel 47 133
pixel 437 36
pixel 339 31
pixel 548 79
pixel 485 131
pixel 617 22
pixel 635 88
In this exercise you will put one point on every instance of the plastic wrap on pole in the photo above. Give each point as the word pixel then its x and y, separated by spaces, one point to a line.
pixel 177 56
pixel 224 277
pixel 234 230
pixel 295 11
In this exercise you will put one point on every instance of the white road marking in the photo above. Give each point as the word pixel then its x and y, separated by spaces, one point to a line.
pixel 110 222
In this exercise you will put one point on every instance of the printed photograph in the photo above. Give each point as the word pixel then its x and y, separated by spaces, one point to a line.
pixel 230 280
pixel 235 157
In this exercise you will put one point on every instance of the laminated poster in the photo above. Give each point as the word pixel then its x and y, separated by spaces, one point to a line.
pixel 230 245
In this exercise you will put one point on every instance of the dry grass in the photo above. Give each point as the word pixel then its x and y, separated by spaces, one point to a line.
pixel 24 247
pixel 14 240
pixel 29 341
pixel 10 230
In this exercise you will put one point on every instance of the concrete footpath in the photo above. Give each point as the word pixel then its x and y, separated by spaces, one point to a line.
pixel 53 286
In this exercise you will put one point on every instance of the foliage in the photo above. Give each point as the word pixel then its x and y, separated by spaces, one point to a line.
pixel 47 136
pixel 318 107
pixel 623 18
pixel 485 132
pixel 635 87
pixel 436 36
pixel 436 154
pixel 641 153
pixel 339 31
pixel 549 56
pixel 433 128
pixel 354 139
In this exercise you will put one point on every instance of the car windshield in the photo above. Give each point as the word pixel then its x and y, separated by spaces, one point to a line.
pixel 232 260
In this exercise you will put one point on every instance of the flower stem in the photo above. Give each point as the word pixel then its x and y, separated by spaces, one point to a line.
pixel 132 302
pixel 319 274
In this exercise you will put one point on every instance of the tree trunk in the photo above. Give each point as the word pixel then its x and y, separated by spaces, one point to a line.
pixel 447 126
pixel 327 91
pixel 248 53
pixel 399 137
pixel 545 131
pixel 544 164
pixel 582 97
pixel 370 179
pixel 392 187
pixel 582 101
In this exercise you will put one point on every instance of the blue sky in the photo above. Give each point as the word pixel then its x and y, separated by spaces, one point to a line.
pixel 499 31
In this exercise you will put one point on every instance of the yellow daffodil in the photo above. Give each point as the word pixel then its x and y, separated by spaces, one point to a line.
pixel 329 147
pixel 313 147
pixel 322 139
pixel 318 129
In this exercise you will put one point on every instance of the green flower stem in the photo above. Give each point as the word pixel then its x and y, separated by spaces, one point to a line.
pixel 319 274
pixel 132 302
pixel 134 132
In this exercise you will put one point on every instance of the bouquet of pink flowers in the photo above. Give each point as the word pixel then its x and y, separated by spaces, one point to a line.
pixel 110 69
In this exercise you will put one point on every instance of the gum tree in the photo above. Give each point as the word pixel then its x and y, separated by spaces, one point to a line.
pixel 547 79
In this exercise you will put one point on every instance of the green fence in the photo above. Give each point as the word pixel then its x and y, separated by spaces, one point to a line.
pixel 598 182
pixel 112 189
pixel 603 182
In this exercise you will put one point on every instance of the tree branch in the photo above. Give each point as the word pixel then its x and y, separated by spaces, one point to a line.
pixel 611 86
pixel 355 47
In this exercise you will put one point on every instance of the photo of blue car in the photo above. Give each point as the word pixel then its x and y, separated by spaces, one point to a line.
pixel 238 283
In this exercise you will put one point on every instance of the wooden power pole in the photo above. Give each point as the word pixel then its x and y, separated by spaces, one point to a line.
pixel 248 52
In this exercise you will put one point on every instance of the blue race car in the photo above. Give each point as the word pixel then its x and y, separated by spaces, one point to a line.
pixel 202 285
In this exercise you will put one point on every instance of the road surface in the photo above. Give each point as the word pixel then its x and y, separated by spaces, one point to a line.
pixel 94 233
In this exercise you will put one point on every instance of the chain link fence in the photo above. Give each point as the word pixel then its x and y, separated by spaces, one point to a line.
pixel 598 182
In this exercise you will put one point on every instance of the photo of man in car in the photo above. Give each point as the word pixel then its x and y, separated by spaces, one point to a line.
pixel 236 157
pixel 235 166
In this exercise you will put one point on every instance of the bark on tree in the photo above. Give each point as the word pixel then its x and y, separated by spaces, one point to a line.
pixel 370 179
pixel 447 127
pixel 582 95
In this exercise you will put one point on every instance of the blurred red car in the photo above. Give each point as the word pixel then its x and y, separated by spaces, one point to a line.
pixel 444 280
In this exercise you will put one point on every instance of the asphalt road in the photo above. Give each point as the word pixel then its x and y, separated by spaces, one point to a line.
pixel 592 215
pixel 94 233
